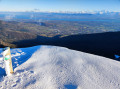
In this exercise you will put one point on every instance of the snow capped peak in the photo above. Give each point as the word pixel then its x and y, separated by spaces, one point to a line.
pixel 50 67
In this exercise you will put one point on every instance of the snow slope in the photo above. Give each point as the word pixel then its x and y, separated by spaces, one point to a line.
pixel 50 67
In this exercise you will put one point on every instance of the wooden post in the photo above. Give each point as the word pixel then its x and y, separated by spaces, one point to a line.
pixel 8 61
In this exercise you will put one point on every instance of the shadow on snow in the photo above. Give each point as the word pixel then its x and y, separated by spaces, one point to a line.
pixel 2 73
pixel 19 56
pixel 70 86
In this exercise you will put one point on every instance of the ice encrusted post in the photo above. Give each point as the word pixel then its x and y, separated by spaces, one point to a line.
pixel 8 61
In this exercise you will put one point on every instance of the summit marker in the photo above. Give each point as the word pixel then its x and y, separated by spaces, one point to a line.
pixel 8 61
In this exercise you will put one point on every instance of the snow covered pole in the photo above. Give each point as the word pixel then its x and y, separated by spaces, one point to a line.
pixel 8 61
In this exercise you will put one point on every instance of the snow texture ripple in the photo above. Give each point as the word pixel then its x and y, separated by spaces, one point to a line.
pixel 50 67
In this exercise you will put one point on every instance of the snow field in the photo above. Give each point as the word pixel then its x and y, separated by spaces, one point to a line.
pixel 50 67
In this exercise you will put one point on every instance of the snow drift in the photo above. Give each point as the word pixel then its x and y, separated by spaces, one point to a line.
pixel 50 67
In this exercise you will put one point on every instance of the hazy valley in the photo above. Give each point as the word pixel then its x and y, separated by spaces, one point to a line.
pixel 92 33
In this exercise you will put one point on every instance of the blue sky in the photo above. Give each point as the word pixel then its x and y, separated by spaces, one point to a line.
pixel 60 5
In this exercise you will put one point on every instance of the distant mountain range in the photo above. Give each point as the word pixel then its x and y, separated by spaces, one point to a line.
pixel 38 16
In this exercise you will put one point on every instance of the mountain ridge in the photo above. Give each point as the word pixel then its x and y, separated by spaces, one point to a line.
pixel 103 44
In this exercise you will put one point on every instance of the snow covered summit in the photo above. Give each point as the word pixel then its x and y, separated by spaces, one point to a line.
pixel 50 67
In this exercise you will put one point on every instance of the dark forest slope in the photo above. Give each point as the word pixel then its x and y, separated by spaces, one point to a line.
pixel 103 44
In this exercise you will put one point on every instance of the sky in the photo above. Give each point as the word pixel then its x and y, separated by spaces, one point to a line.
pixel 60 5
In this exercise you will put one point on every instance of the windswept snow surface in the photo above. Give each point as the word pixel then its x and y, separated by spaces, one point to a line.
pixel 50 67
